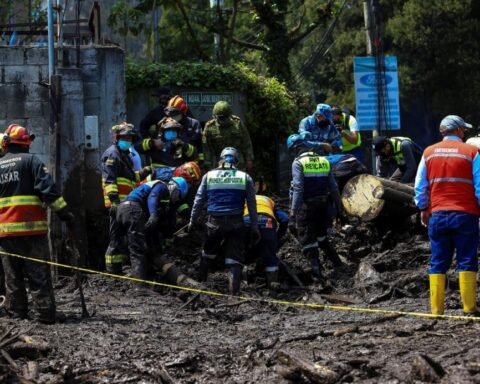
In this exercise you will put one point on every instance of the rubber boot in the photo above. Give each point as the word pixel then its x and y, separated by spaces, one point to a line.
pixel 330 252
pixel 234 279
pixel 272 280
pixel 437 293
pixel 203 269
pixel 115 268
pixel 468 291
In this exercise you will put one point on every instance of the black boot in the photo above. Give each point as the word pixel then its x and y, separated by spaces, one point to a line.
pixel 234 279
pixel 272 281
pixel 331 253
pixel 316 272
pixel 203 269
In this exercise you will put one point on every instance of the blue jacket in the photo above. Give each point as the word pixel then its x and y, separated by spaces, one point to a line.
pixel 311 178
pixel 150 195
pixel 328 135
pixel 225 190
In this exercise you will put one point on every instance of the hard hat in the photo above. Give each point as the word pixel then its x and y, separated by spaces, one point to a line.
pixel 124 129
pixel 379 143
pixel 18 135
pixel 222 108
pixel 177 102
pixel 189 171
pixel 229 155
pixel 169 124
pixel 182 186
pixel 453 122
pixel 294 140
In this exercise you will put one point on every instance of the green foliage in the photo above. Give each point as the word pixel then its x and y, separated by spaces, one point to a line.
pixel 126 19
pixel 272 111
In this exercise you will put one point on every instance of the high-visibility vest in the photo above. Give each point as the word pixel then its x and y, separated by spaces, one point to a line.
pixel 346 145
pixel 226 190
pixel 450 177
pixel 265 205
pixel 397 149
pixel 315 171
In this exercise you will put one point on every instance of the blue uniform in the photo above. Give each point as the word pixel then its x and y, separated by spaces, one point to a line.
pixel 328 135
pixel 150 195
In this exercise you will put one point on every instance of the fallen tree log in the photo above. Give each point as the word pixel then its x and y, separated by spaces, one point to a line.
pixel 367 196
pixel 172 274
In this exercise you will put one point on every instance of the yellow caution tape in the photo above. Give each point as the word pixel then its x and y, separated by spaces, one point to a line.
pixel 267 301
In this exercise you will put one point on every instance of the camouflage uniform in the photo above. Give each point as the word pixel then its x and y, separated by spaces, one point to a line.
pixel 230 133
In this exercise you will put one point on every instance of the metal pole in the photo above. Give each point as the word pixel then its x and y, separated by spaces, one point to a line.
pixel 367 15
pixel 51 53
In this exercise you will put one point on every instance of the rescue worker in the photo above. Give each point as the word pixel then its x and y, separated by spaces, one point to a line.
pixel 313 189
pixel 347 125
pixel 344 167
pixel 224 190
pixel 148 125
pixel 447 191
pixel 168 150
pixel 139 215
pixel 25 185
pixel 272 223
pixel 226 129
pixel 321 128
pixel 397 158
pixel 177 109
pixel 118 179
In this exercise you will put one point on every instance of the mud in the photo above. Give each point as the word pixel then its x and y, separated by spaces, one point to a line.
pixel 144 335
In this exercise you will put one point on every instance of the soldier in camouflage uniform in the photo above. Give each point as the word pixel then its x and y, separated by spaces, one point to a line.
pixel 226 130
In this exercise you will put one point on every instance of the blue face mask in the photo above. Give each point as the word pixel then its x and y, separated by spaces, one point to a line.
pixel 170 135
pixel 124 145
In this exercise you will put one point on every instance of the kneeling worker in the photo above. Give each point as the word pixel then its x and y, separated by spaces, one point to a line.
pixel 225 190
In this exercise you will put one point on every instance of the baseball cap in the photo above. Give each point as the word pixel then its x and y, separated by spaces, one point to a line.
pixel 452 122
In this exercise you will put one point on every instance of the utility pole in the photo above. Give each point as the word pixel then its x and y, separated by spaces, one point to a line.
pixel 157 14
pixel 217 38
pixel 368 17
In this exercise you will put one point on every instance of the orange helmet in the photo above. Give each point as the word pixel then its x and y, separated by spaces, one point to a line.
pixel 18 135
pixel 178 103
pixel 189 171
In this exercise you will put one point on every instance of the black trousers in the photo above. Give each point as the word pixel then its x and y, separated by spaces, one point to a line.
pixel 312 223
pixel 38 275
pixel 227 231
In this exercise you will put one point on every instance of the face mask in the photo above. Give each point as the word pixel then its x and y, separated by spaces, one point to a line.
pixel 324 123
pixel 124 145
pixel 170 135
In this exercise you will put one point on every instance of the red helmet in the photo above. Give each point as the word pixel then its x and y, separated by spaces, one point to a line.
pixel 18 135
pixel 189 171
pixel 178 103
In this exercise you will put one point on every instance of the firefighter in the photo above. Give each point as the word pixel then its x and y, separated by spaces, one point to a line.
pixel 313 189
pixel 118 179
pixel 177 109
pixel 168 150
pixel 224 190
pixel 25 185
pixel 139 215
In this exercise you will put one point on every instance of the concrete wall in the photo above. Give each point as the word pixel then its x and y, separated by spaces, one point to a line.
pixel 96 88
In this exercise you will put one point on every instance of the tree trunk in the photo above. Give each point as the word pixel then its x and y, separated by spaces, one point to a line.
pixel 367 196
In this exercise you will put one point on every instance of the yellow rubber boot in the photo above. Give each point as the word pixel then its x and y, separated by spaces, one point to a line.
pixel 437 293
pixel 468 291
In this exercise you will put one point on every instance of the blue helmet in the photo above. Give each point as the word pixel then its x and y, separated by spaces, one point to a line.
pixel 182 186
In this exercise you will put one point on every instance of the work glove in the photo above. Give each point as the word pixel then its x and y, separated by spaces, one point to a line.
pixel 145 171
pixel 67 217
pixel 255 236
pixel 151 223
pixel 113 210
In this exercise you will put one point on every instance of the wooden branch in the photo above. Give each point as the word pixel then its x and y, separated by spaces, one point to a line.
pixel 231 29
pixel 249 45
pixel 193 36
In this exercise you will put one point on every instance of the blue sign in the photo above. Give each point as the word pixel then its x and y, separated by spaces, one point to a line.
pixel 367 97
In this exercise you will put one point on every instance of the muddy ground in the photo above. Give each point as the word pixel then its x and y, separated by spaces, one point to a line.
pixel 151 336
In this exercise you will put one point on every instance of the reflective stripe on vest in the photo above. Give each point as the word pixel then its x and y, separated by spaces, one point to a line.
pixel 226 190
pixel 123 187
pixel 450 176
pixel 22 216
pixel 397 148
pixel 265 205
pixel 346 145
